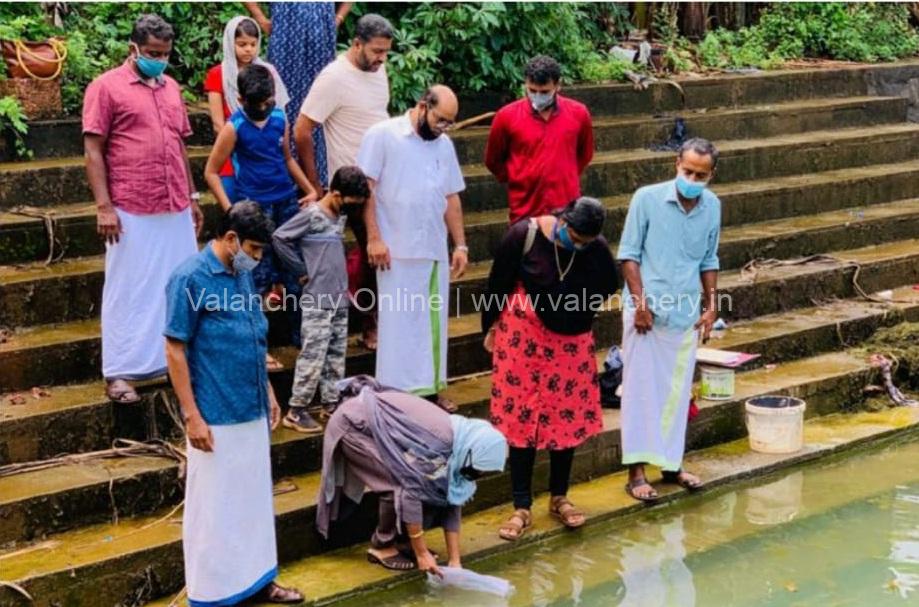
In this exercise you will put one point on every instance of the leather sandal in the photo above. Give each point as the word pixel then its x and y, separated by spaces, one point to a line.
pixel 396 562
pixel 516 526
pixel 279 595
pixel 562 510
pixel 632 485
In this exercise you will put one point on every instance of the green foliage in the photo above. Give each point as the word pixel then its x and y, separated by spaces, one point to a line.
pixel 476 46
pixel 832 30
pixel 13 123
pixel 605 68
pixel 103 31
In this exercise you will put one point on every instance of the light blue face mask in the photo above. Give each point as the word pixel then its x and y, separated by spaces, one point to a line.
pixel 150 68
pixel 564 238
pixel 242 261
pixel 689 189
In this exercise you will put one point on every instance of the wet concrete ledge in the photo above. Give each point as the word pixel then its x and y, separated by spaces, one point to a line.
pixel 344 574
pixel 828 383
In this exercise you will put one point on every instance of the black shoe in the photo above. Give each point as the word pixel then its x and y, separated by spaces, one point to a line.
pixel 299 419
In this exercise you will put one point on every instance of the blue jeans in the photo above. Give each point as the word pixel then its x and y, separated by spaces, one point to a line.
pixel 270 271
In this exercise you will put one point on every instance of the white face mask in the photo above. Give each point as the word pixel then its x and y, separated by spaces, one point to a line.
pixel 541 101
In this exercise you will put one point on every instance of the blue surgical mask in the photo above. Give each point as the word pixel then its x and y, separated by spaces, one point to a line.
pixel 689 189
pixel 564 238
pixel 541 101
pixel 151 68
pixel 243 262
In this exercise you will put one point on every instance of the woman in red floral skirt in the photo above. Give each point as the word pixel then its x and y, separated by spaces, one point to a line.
pixel 550 277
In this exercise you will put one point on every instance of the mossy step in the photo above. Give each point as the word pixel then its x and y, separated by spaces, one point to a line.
pixel 151 543
pixel 638 131
pixel 24 239
pixel 26 358
pixel 329 578
pixel 62 181
pixel 33 294
pixel 79 418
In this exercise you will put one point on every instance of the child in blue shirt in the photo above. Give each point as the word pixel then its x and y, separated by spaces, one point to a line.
pixel 257 138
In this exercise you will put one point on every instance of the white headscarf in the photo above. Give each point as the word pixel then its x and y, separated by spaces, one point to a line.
pixel 231 69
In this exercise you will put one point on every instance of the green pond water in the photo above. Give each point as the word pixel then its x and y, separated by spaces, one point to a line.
pixel 837 534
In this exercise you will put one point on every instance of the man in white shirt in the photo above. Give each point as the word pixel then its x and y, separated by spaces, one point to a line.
pixel 416 180
pixel 350 95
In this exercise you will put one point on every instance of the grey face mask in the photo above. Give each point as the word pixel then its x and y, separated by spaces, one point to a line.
pixel 541 101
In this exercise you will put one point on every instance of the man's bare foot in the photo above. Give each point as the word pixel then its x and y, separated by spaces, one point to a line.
pixel 369 339
pixel 273 363
pixel 684 479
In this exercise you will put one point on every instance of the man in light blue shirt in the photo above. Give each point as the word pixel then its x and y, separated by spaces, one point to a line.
pixel 669 255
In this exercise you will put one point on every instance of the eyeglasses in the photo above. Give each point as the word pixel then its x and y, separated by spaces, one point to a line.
pixel 440 122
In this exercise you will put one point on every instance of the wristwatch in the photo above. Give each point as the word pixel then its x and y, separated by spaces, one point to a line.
pixel 462 248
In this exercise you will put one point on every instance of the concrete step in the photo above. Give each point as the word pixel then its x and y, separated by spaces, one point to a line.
pixel 24 239
pixel 63 137
pixel 50 182
pixel 628 132
pixel 70 352
pixel 78 418
pixel 61 498
pixel 344 577
pixel 827 383
pixel 33 294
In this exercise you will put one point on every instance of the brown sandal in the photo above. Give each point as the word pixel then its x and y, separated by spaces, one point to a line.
pixel 561 509
pixel 279 595
pixel 121 392
pixel 516 526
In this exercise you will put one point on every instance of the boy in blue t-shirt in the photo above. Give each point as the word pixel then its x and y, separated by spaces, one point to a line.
pixel 257 137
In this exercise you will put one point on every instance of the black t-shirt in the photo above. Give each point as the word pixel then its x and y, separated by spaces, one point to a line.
pixel 567 307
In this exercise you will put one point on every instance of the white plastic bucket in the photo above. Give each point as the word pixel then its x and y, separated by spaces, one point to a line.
pixel 776 423
pixel 717 383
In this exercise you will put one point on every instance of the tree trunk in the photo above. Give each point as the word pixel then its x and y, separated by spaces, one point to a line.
pixel 693 20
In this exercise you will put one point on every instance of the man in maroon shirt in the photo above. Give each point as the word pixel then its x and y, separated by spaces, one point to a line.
pixel 540 145
pixel 134 124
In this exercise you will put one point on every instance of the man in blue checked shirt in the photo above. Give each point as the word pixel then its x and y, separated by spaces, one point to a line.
pixel 216 342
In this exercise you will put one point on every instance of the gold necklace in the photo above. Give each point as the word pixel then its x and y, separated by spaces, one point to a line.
pixel 558 263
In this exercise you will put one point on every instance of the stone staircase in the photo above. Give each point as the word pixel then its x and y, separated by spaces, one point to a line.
pixel 813 162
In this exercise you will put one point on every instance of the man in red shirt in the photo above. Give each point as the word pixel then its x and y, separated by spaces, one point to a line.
pixel 134 124
pixel 540 145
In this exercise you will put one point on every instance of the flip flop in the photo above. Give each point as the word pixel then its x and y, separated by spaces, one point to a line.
pixel 121 392
pixel 632 485
pixel 397 562
pixel 673 478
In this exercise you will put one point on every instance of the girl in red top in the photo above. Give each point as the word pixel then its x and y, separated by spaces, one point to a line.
pixel 242 39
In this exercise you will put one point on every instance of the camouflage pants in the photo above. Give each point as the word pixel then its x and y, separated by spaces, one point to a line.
pixel 322 357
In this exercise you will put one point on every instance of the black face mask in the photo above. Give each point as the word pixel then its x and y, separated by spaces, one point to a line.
pixel 424 129
pixel 467 471
pixel 258 114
